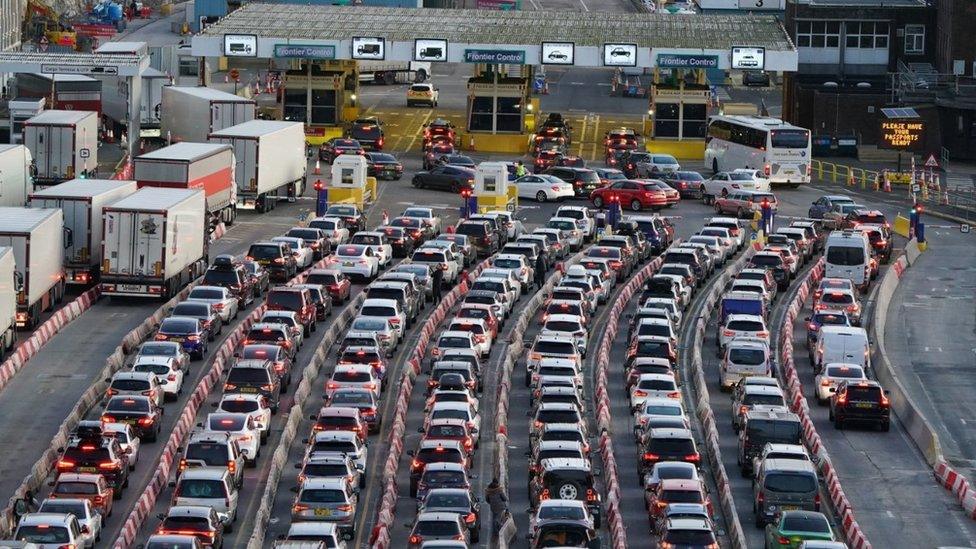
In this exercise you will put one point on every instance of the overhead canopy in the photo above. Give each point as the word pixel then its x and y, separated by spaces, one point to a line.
pixel 278 24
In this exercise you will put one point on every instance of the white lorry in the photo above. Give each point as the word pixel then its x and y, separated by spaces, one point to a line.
pixel 63 144
pixel 81 202
pixel 191 114
pixel 115 99
pixel 10 284
pixel 393 72
pixel 16 175
pixel 270 161
pixel 38 239
pixel 154 242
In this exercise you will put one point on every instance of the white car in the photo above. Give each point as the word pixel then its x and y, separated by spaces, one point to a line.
pixel 426 214
pixel 658 407
pixel 714 247
pixel 479 330
pixel 750 286
pixel 241 428
pixel 168 372
pixel 733 225
pixel 567 326
pixel 457 410
pixel 544 188
pixel 254 405
pixel 88 517
pixel 518 265
pixel 304 254
pixel 356 259
pixel 289 319
pixel 507 221
pixel 387 310
pixel 653 386
pixel 438 258
pixel 128 440
pixel 832 374
pixel 664 303
pixel 742 326
pixel 723 183
pixel 378 242
pixel 582 214
pixel 338 443
pixel 560 509
pixel 335 229
pixel 504 274
pixel 224 302
pixel 170 349
pixel 452 249
pixel 725 238
pixel 557 247
pixel 450 340
pixel 657 164
pixel 571 231
pixel 684 290
pixel 355 376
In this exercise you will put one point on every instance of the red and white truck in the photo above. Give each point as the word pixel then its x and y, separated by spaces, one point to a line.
pixel 81 201
pixel 38 239
pixel 270 160
pixel 63 144
pixel 206 166
pixel 154 242
pixel 73 92
pixel 193 113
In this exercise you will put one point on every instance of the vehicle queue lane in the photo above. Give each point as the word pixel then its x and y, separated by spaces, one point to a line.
pixel 883 474
pixel 64 368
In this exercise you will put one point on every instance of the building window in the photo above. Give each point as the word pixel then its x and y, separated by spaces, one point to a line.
pixel 914 39
pixel 818 34
pixel 867 34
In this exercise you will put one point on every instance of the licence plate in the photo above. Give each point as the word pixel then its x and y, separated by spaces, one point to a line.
pixel 128 421
pixel 789 508
pixel 348 264
pixel 789 172
pixel 87 469
pixel 176 339
pixel 248 390
pixel 323 512
pixel 132 287
pixel 864 405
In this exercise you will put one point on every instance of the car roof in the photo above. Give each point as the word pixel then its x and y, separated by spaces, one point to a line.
pixel 688 524
pixel 671 432
pixel 204 473
pixel 315 527
pixel 681 484
pixel 315 483
pixel 58 519
pixel 190 510
pixel 565 463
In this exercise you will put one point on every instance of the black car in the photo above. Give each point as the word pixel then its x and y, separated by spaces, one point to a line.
pixel 860 401
pixel 755 78
pixel 435 150
pixel 398 237
pixel 482 238
pixel 383 166
pixel 88 450
pixel 566 478
pixel 687 183
pixel 203 311
pixel 275 257
pixel 564 533
pixel 314 238
pixel 227 272
pixel 351 215
pixel 583 180
pixel 447 177
pixel 251 376
pixel 556 125
pixel 456 160
pixel 338 146
pixel 258 275
pixel 368 132
pixel 629 162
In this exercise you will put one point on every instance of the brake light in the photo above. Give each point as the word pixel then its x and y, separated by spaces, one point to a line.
pixel 298 508
pixel 146 421
pixel 416 464
pixel 171 377
pixel 108 419
pixel 279 260
pixel 544 494
pixel 812 327
pixel 640 393
pixel 728 333
pixel 151 393
pixel 743 409
pixel 825 383
pixel 108 465
pixel 591 495
pixel 693 458
pixel 218 306
pixel 416 540
pixel 884 401
pixel 816 502
pixel 183 465
pixel 65 465
pixel 648 456
pixel 767 170
pixel 842 399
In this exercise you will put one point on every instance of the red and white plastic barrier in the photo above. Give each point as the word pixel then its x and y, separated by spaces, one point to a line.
pixel 47 330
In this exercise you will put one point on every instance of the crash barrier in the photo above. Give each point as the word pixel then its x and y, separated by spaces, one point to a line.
pixel 736 534
pixel 856 539
pixel 91 398
pixel 186 423
pixel 219 231
pixel 842 173
pixel 386 512
pixel 44 333
pixel 507 533
pixel 923 434
pixel 280 457
pixel 618 533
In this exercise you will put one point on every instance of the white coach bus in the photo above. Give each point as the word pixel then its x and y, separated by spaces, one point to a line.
pixel 779 149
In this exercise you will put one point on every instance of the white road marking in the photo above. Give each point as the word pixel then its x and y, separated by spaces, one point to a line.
pixel 585 8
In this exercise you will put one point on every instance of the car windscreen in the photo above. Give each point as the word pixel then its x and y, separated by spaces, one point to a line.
pixel 248 375
pixel 351 376
pixel 845 255
pixel 429 256
pixel 306 234
pixel 350 398
pixel 563 326
pixel 326 470
pixel 384 293
pixel 208 452
pixel 217 277
pixel 200 488
pixel 291 301
pixel 790 482
pixel 343 446
pixel 689 538
pixel 768 400
pixel 127 405
pixel 558 416
pixel 472 229
pixel 773 430
pixel 663 330
pixel 805 523
pixel 366 239
pixel 678 257
pixel 322 496
pixel 437 528
pixel 554 347
pixel 837 298
pixel 681 496
pixel 130 385
pixel 324 224
pixel 368 325
pixel 561 225
pixel 384 311
pixel 868 393
pixel 264 252
pixel 342 211
pixel 178 326
pixel 766 260
pixel 681 446
pixel 198 310
pixel 750 357
pixel 845 372
pixel 350 251
pixel 745 326
pixel 454 342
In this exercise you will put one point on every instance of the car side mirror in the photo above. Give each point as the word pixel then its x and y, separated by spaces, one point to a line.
pixel 200 425
pixel 298 466
pixel 304 441
pixel 293 489
pixel 411 453
pixel 161 516
pixel 420 430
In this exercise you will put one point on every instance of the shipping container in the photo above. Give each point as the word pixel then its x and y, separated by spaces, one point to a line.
pixel 207 166
pixel 38 239
pixel 10 283
pixel 70 92
pixel 63 144
pixel 193 113
pixel 154 242
pixel 16 175
pixel 81 202
pixel 270 161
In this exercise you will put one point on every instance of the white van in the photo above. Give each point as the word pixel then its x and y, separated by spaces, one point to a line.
pixel 848 255
pixel 848 344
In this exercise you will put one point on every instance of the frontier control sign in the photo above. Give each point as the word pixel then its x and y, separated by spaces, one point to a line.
pixel 902 134
pixel 685 61
pixel 510 57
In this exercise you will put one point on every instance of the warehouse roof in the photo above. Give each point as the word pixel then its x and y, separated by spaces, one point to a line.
pixel 655 30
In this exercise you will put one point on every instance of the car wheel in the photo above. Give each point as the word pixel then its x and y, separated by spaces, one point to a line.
pixel 418 182
pixel 701 193
pixel 838 424
pixel 540 196
pixel 569 490
pixel 598 202
pixel 635 205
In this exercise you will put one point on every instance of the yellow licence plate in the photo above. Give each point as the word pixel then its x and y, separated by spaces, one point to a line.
pixel 87 469
pixel 248 390
pixel 864 405
pixel 348 264
pixel 176 339
pixel 323 512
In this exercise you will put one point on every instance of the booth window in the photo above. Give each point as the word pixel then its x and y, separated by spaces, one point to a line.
pixel 482 113
pixel 509 114
pixel 296 105
pixel 323 107
pixel 666 119
pixel 694 122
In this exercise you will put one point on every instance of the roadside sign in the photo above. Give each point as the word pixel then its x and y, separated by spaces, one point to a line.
pixel 932 161
pixel 235 74
pixel 916 188
pixel 964 228
pixel 84 153
pixel 43 43
pixel 754 237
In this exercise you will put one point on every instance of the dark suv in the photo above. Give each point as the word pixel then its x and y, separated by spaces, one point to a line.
pixel 566 478
pixel 297 300
pixel 583 180
pixel 434 451
pixel 275 257
pixel 228 273
pixel 369 133
pixel 484 240
pixel 91 452
pixel 257 376
pixel 860 400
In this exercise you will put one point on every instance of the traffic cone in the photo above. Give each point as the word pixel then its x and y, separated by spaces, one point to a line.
pixel 226 79
pixel 386 218
pixel 887 182
pixel 318 167
pixel 471 143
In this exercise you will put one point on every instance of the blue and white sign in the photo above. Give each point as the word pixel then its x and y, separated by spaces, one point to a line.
pixel 304 51
pixel 508 57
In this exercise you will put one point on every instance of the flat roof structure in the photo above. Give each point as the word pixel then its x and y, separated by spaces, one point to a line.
pixel 260 27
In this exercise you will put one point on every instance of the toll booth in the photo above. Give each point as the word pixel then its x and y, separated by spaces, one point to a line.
pixel 322 95
pixel 680 104
pixel 350 184
pixel 500 109
pixel 492 188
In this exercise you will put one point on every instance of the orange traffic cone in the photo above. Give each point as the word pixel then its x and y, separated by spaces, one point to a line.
pixel 471 143
pixel 318 167
pixel 945 197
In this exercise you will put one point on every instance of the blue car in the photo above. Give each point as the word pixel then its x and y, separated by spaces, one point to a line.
pixel 826 203
pixel 188 331
pixel 824 318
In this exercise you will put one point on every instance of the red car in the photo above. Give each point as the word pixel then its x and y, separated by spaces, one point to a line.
pixel 338 285
pixel 622 138
pixel 296 300
pixel 338 146
pixel 632 194
pixel 546 159
pixel 672 195
pixel 438 130
pixel 436 150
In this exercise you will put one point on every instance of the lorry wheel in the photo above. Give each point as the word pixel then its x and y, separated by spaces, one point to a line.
pixel 259 204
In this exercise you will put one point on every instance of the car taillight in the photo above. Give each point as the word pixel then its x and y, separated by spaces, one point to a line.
pixel 544 494
pixel 674 394
pixel 728 333
pixel 111 392
pixel 816 502
pixel 298 508
pixel 108 465
pixel 161 337
pixel 416 540
pixel 640 393
pixel 108 419
pixel 229 386
pixel 171 377
pixel 279 260
pixel 193 338
pixel 743 409
pixel 767 170
pixel 825 383
pixel 812 327
pixel 648 456
pixel 884 401
pixel 183 465
pixel 65 465
pixel 842 399
pixel 416 464
pixel 146 421
pixel 693 458
pixel 151 393
pixel 591 495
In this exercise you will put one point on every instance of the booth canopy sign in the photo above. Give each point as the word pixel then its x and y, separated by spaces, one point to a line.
pixel 509 57
pixel 240 45
pixel 904 135
pixel 304 51
pixel 748 58
pixel 558 53
pixel 368 48
pixel 686 61
pixel 430 49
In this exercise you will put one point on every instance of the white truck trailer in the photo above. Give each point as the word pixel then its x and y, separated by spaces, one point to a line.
pixel 115 101
pixel 270 161
pixel 10 284
pixel 155 241
pixel 63 144
pixel 81 201
pixel 38 239
pixel 193 113
pixel 16 175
